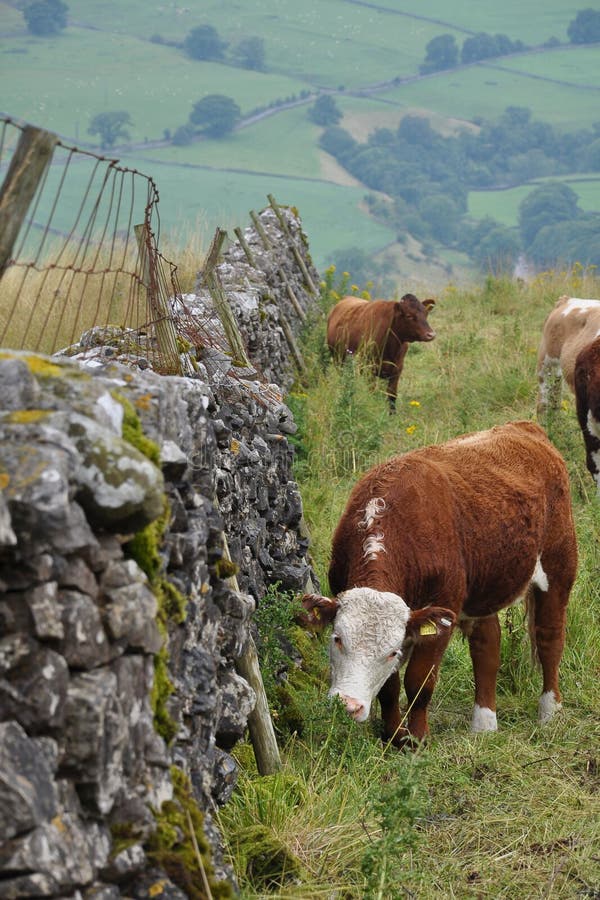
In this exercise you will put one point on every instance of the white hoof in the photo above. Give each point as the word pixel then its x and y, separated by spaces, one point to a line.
pixel 547 706
pixel 484 719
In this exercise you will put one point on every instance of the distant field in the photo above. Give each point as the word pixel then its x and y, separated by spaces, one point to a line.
pixel 62 83
pixel 485 91
pixel 286 144
pixel 106 61
pixel 504 205
pixel 577 66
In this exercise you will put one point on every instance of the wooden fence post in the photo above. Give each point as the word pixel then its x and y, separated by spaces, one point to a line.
pixel 27 167
pixel 166 335
pixel 228 320
pixel 260 725
pixel 284 227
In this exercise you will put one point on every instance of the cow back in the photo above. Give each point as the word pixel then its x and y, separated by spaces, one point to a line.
pixel 571 326
pixel 457 522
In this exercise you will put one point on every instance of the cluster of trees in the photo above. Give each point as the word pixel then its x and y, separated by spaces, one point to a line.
pixel 45 17
pixel 205 43
pixel 442 52
pixel 585 27
pixel 428 176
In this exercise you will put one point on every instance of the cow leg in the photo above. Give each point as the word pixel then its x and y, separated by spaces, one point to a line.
pixel 389 697
pixel 548 633
pixel 484 646
pixel 550 387
pixel 419 682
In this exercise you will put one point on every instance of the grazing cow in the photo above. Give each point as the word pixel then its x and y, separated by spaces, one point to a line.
pixel 567 352
pixel 572 325
pixel 446 535
pixel 384 327
pixel 587 396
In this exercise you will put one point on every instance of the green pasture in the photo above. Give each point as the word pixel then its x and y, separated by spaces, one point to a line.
pixel 283 144
pixel 193 200
pixel 513 814
pixel 485 90
pixel 504 205
pixel 61 83
pixel 527 21
pixel 577 66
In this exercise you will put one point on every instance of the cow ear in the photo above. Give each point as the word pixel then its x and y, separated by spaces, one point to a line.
pixel 429 622
pixel 319 611
pixel 429 304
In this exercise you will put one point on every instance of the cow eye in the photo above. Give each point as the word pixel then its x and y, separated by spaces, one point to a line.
pixel 337 640
pixel 395 654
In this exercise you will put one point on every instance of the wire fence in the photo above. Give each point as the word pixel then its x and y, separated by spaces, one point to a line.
pixel 84 233
pixel 80 266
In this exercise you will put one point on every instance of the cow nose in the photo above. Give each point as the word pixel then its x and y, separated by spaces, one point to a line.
pixel 430 335
pixel 354 707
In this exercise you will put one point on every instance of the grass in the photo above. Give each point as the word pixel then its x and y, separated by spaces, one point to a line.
pixel 507 815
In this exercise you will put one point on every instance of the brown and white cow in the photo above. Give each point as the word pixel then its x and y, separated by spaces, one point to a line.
pixel 570 327
pixel 567 352
pixel 384 328
pixel 587 397
pixel 444 535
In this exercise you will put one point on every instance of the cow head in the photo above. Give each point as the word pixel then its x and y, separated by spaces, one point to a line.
pixel 373 633
pixel 410 318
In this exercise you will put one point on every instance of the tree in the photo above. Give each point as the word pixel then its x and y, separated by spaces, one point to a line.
pixel 440 53
pixel 250 53
pixel 585 27
pixel 215 115
pixel 45 17
pixel 324 111
pixel 204 43
pixel 480 46
pixel 549 204
pixel 442 216
pixel 110 126
pixel 498 251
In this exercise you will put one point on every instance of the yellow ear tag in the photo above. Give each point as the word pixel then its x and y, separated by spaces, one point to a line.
pixel 316 612
pixel 428 627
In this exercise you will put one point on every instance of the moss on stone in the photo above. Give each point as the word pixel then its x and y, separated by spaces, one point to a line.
pixel 132 430
pixel 123 835
pixel 38 365
pixel 225 568
pixel 26 416
pixel 179 844
pixel 144 548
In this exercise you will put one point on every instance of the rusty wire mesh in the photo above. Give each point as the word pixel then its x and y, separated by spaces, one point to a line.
pixel 87 255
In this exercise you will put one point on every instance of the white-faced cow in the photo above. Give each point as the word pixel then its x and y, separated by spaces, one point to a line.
pixel 446 535
pixel 587 396
pixel 566 352
pixel 384 328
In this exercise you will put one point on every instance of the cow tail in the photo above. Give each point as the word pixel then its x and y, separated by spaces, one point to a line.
pixel 530 616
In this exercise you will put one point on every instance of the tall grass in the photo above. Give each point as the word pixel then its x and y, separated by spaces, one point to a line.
pixel 47 306
pixel 506 815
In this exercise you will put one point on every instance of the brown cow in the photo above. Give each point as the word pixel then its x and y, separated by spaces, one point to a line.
pixel 442 535
pixel 569 336
pixel 384 327
pixel 587 396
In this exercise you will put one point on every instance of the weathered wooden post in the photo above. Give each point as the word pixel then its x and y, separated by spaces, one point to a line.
pixel 228 320
pixel 260 725
pixel 166 335
pixel 27 167
pixel 284 227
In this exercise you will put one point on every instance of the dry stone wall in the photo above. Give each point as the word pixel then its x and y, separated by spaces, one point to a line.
pixel 119 631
